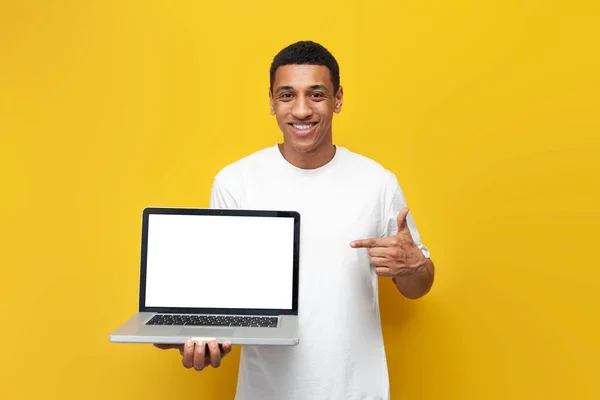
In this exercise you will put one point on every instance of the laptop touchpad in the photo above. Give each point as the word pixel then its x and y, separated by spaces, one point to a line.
pixel 206 331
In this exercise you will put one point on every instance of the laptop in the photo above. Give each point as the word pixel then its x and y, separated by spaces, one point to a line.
pixel 229 275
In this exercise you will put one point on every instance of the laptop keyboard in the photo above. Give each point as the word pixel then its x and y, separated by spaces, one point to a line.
pixel 213 320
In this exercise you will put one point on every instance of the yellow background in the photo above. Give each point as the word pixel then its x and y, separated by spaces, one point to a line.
pixel 487 111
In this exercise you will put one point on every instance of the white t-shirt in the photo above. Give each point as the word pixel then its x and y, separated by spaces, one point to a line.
pixel 341 353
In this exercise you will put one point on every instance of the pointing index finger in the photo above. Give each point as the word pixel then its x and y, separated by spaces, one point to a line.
pixel 365 243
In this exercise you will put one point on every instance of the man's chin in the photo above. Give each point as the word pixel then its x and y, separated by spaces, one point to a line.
pixel 303 147
pixel 299 144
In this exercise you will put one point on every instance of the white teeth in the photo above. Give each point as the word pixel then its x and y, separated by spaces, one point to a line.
pixel 303 127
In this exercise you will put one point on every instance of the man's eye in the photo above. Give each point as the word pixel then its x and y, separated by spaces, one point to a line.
pixel 286 95
pixel 317 95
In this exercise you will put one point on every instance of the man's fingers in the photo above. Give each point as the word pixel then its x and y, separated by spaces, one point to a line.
pixel 166 346
pixel 401 219
pixel 383 271
pixel 378 252
pixel 188 354
pixel 199 356
pixel 226 349
pixel 366 243
pixel 380 262
pixel 215 354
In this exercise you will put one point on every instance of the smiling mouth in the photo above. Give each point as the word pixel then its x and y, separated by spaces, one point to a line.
pixel 303 127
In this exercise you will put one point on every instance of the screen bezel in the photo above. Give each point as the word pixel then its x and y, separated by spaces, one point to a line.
pixel 226 212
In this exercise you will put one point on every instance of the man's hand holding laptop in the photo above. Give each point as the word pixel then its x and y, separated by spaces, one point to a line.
pixel 200 355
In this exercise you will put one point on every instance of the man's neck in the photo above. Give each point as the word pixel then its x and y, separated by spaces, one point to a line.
pixel 311 160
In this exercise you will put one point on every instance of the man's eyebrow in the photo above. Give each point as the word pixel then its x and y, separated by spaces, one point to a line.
pixel 321 87
pixel 282 88
pixel 312 87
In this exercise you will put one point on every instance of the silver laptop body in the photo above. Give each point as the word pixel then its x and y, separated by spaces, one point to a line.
pixel 229 275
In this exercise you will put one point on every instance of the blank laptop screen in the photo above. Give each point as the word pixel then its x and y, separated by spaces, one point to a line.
pixel 210 261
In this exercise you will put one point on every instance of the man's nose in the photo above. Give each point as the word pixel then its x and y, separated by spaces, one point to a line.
pixel 301 109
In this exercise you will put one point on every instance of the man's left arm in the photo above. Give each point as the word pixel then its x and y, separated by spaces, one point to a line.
pixel 399 258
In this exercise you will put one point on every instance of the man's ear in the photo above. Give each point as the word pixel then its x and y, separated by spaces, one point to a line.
pixel 271 105
pixel 339 100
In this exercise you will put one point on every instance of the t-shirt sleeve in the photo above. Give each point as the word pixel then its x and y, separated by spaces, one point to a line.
pixel 221 198
pixel 395 203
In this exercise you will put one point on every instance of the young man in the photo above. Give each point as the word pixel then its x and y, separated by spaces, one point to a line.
pixel 355 227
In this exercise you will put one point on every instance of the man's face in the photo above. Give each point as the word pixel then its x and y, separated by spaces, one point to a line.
pixel 303 103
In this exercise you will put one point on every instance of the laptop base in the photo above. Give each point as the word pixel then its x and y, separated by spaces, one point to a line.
pixel 135 330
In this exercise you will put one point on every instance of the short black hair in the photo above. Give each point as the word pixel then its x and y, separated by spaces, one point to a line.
pixel 306 52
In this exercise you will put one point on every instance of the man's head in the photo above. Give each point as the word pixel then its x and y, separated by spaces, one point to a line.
pixel 304 93
pixel 306 53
